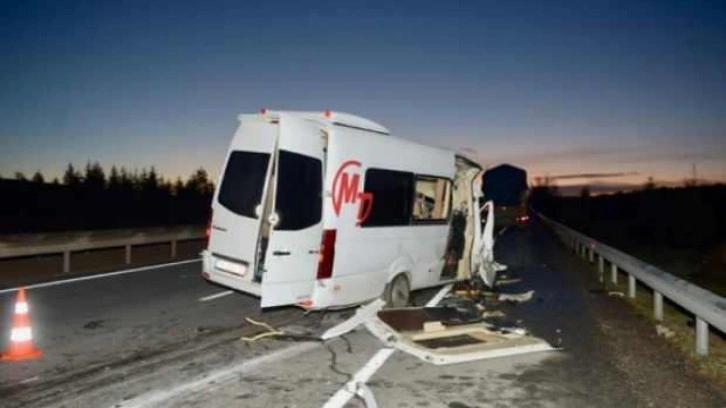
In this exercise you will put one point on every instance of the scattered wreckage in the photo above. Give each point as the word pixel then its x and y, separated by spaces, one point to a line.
pixel 450 329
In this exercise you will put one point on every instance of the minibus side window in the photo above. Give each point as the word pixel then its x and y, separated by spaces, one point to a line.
pixel 299 200
pixel 392 193
pixel 432 201
pixel 243 182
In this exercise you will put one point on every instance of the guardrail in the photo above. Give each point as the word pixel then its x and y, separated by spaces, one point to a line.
pixel 84 244
pixel 708 308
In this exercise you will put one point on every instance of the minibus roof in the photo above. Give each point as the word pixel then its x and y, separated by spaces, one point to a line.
pixel 336 118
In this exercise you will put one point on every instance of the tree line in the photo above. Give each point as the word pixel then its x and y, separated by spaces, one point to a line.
pixel 692 216
pixel 98 199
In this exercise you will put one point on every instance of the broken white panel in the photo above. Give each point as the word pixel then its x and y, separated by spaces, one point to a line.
pixel 370 310
pixel 509 344
pixel 484 261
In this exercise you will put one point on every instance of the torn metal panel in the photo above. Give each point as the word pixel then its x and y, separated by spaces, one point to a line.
pixel 483 257
pixel 482 342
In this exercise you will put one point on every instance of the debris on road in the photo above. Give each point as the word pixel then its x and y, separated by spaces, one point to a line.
pixel 616 293
pixel 93 324
pixel 269 331
pixel 450 329
pixel 516 297
pixel 493 314
pixel 664 331
pixel 504 282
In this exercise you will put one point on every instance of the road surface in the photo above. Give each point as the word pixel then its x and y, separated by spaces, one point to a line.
pixel 163 337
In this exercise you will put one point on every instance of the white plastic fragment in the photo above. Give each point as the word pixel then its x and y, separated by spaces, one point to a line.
pixel 516 297
pixel 664 331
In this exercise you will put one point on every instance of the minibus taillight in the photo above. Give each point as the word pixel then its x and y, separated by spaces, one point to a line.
pixel 327 255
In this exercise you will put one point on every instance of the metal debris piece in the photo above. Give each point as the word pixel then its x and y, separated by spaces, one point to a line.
pixel 516 297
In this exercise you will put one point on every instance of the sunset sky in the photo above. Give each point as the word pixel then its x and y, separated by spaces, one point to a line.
pixel 599 88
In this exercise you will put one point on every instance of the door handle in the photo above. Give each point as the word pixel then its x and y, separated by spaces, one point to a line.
pixel 280 253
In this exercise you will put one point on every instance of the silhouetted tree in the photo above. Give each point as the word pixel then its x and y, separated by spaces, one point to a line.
pixel 127 199
pixel 114 179
pixel 95 176
pixel 178 188
pixel 71 177
pixel 165 186
pixel 149 181
pixel 649 185
pixel 126 181
pixel 199 183
pixel 38 178
pixel 20 176
pixel 585 193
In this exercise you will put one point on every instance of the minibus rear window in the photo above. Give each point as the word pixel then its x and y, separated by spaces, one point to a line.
pixel 299 200
pixel 243 182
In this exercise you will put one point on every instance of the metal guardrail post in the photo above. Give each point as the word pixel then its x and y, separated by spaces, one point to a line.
pixel 631 286
pixel 657 306
pixel 66 261
pixel 601 267
pixel 701 337
pixel 173 248
pixel 614 273
pixel 127 257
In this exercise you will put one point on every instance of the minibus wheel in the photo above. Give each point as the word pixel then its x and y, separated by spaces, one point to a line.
pixel 398 292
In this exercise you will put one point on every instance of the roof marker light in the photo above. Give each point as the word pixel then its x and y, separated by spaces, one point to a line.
pixel 328 113
pixel 263 111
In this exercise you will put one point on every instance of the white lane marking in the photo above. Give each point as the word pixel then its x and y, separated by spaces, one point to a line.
pixel 216 295
pixel 155 398
pixel 99 276
pixel 357 384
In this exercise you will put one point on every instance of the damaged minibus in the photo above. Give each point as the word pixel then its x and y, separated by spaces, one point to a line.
pixel 327 209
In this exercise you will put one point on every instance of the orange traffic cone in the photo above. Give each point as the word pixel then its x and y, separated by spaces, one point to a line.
pixel 21 336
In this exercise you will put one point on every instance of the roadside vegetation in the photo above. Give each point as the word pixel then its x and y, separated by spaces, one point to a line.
pixel 99 199
pixel 680 230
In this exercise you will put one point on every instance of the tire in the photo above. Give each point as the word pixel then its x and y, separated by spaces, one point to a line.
pixel 398 292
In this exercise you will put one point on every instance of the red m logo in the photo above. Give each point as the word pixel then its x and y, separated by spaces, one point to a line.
pixel 345 190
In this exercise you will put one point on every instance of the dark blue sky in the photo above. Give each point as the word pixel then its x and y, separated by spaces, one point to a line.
pixel 561 87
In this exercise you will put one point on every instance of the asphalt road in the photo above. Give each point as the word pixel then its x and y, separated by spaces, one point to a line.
pixel 147 339
pixel 85 327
